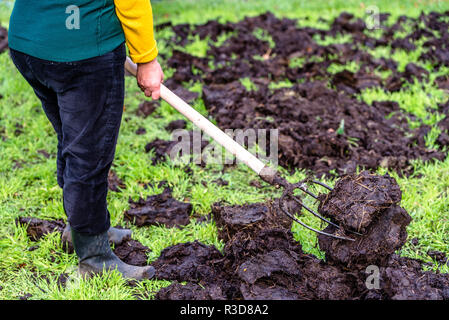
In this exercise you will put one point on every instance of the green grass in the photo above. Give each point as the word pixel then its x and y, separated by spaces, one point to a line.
pixel 28 183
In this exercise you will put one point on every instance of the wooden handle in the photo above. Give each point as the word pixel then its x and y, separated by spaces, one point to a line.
pixel 201 122
pixel 130 66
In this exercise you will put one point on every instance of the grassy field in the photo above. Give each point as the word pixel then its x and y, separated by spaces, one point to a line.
pixel 28 183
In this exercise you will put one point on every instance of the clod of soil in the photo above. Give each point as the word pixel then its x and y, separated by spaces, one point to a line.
pixel 220 182
pixel 3 39
pixel 37 228
pixel 191 261
pixel 146 108
pixel 190 291
pixel 19 129
pixel 404 284
pixel 403 279
pixel 250 218
pixel 263 275
pixel 141 131
pixel 132 252
pixel 180 91
pixel 176 124
pixel 367 203
pixel 163 148
pixel 159 209
pixel 442 82
pixel 386 235
pixel 26 296
pixel 356 201
pixel 114 182
pixel 439 256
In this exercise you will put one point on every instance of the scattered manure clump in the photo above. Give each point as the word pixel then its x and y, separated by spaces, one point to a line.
pixel 368 204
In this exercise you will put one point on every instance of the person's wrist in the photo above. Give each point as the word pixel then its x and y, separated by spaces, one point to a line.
pixel 148 62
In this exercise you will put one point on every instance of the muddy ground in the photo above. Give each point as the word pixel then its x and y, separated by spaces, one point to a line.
pixel 163 149
pixel 261 260
pixel 160 209
pixel 323 126
pixel 3 39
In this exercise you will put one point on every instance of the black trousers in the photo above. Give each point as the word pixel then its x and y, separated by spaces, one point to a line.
pixel 84 102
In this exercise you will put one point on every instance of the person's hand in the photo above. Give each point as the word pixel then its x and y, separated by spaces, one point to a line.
pixel 149 78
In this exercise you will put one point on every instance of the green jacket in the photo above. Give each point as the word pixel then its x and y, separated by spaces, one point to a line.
pixel 64 30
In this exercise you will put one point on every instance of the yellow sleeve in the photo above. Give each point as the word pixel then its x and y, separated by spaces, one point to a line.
pixel 136 17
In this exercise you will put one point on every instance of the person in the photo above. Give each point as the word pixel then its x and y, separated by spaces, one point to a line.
pixel 72 53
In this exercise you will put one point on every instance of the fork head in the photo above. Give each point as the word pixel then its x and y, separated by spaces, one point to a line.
pixel 272 177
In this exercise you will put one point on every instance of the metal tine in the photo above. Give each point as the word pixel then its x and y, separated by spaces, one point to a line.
pixel 322 184
pixel 319 216
pixel 314 213
pixel 302 187
pixel 305 225
pixel 322 218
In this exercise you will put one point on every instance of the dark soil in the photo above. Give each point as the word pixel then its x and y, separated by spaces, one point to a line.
pixel 261 260
pixel 190 291
pixel 220 182
pixel 180 91
pixel 114 182
pixel 132 252
pixel 369 204
pixel 176 124
pixel 159 209
pixel 309 117
pixel 443 138
pixel 370 195
pixel 249 218
pixel 3 39
pixel 402 279
pixel 439 256
pixel 37 228
pixel 163 148
pixel 141 131
pixel 323 127
pixel 192 261
pixel 146 108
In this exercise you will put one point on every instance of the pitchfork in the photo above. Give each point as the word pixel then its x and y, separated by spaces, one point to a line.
pixel 266 173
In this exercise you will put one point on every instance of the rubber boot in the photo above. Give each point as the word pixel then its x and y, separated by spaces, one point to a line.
pixel 95 255
pixel 116 236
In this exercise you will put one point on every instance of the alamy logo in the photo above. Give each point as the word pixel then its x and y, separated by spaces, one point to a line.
pixel 73 20
pixel 261 142
pixel 373 280
pixel 372 20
